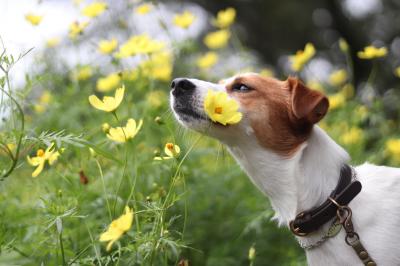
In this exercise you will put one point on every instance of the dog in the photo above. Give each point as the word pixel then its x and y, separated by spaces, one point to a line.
pixel 296 164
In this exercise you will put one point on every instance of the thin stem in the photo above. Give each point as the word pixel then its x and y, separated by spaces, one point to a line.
pixel 21 133
pixel 125 163
pixel 62 249
pixel 167 198
pixel 104 189
pixel 94 245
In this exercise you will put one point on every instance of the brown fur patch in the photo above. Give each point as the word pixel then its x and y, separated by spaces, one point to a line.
pixel 269 106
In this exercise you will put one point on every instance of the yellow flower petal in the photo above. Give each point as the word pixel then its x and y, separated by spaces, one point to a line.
pixel 39 169
pixel 184 20
pixel 207 60
pixel 108 83
pixel 94 9
pixel 221 109
pixel 108 104
pixel 225 18
pixel 172 150
pixel 122 134
pixel 119 95
pixel 107 46
pixel 33 19
pixel 34 161
pixel 117 228
pixel 217 39
pixel 143 9
pixel 371 52
pixel 302 57
pixel 139 44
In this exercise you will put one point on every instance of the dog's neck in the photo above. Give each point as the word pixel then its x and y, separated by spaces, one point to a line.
pixel 293 184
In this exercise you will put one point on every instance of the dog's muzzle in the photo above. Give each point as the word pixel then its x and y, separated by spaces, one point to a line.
pixel 185 100
pixel 181 87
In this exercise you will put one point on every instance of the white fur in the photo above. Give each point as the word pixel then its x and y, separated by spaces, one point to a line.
pixel 306 180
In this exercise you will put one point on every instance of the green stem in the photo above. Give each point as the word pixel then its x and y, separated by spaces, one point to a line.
pixel 96 252
pixel 158 224
pixel 104 189
pixel 62 249
pixel 21 133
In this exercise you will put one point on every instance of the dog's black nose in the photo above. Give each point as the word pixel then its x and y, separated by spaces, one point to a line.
pixel 182 86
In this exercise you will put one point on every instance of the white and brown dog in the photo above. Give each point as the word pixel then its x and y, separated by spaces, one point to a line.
pixel 296 164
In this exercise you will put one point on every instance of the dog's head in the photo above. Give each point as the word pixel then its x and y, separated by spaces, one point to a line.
pixel 279 114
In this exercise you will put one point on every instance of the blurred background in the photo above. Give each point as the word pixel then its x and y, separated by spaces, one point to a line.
pixel 198 209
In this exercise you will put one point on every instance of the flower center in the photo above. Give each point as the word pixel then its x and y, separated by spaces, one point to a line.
pixel 40 153
pixel 218 110
pixel 170 146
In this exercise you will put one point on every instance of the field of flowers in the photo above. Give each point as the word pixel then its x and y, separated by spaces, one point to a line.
pixel 95 171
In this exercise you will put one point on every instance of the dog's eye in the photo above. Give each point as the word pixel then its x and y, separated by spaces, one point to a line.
pixel 240 88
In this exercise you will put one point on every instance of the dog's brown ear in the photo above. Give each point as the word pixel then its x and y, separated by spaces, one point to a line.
pixel 307 104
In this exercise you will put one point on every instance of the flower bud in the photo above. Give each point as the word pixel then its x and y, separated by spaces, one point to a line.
pixel 252 253
pixel 105 127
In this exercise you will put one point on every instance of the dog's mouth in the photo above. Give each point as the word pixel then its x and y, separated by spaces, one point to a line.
pixel 187 113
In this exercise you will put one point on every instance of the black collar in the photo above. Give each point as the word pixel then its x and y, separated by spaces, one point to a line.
pixel 311 220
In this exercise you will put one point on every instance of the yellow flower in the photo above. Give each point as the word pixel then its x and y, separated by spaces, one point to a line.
pixel 105 127
pixel 139 44
pixel 33 19
pixel 336 101
pixel 343 45
pixel 184 20
pixel 302 57
pixel 76 28
pixel 122 134
pixel 42 156
pixel 207 60
pixel 94 9
pixel 83 73
pixel 171 150
pixel 352 136
pixel 266 72
pixel 108 104
pixel 393 149
pixel 217 39
pixel 53 42
pixel 222 109
pixel 108 83
pixel 143 9
pixel 397 72
pixel 159 66
pixel 225 18
pixel 117 228
pixel 371 52
pixel 107 46
pixel 338 77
